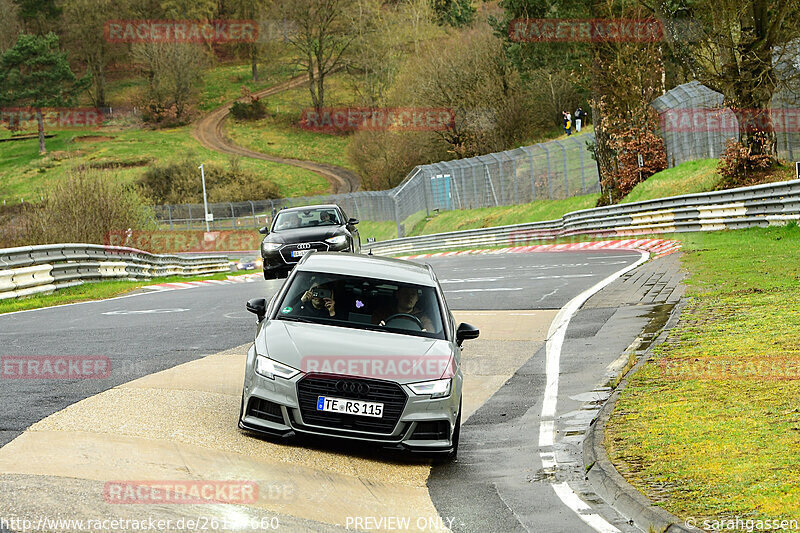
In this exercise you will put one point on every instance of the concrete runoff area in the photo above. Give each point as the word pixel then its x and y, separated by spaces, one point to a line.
pixel 180 425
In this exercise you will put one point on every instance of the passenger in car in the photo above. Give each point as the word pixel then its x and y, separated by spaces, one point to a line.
pixel 406 303
pixel 292 221
pixel 317 301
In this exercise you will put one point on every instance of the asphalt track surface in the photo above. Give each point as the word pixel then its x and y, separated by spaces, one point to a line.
pixel 498 484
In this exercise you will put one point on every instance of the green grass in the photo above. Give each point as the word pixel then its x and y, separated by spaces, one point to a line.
pixel 707 442
pixel 220 83
pixel 279 134
pixel 24 174
pixel 224 83
pixel 686 178
pixel 381 231
pixel 500 216
pixel 95 291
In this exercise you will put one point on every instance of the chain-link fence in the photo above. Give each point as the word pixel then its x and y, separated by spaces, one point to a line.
pixel 695 125
pixel 552 170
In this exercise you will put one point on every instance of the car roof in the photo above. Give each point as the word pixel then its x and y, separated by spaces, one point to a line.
pixel 308 207
pixel 368 266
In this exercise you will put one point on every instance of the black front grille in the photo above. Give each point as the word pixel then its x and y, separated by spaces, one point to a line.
pixel 439 430
pixel 265 410
pixel 390 394
pixel 286 251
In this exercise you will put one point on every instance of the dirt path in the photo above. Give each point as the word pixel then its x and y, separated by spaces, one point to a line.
pixel 210 132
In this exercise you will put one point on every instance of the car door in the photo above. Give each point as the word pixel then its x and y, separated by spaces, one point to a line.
pixel 356 236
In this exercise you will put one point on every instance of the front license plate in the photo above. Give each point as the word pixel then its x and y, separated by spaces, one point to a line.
pixel 349 407
pixel 300 253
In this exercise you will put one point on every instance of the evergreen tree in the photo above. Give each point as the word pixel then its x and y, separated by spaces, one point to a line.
pixel 35 74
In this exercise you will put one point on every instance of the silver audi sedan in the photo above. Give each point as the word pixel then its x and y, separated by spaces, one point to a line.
pixel 357 347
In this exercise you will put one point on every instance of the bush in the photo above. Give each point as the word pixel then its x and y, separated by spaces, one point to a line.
pixel 384 158
pixel 179 183
pixel 252 108
pixel 84 208
pixel 628 145
pixel 738 164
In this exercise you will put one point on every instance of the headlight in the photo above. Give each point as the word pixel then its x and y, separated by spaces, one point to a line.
pixel 270 368
pixel 439 388
pixel 339 239
pixel 270 246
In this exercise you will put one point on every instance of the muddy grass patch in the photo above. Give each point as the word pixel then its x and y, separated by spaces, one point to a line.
pixel 92 138
pixel 117 164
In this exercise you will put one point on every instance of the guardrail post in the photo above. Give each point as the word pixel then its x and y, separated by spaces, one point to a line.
pixel 169 214
pixel 189 206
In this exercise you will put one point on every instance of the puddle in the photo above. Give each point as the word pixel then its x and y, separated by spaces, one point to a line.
pixel 658 316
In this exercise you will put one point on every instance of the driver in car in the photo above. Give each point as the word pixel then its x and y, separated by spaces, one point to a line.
pixel 325 218
pixel 317 302
pixel 405 304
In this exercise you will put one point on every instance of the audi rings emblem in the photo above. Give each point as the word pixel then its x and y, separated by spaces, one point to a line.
pixel 353 387
pixel 303 246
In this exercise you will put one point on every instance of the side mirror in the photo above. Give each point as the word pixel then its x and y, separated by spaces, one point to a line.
pixel 352 221
pixel 257 306
pixel 466 332
pixel 264 230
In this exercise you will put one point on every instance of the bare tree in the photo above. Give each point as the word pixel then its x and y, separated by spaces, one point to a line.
pixel 322 35
pixel 84 22
pixel 735 47
pixel 12 26
pixel 173 72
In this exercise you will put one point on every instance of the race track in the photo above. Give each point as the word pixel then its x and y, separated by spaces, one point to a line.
pixel 168 410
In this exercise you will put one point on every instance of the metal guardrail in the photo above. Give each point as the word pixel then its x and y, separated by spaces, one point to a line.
pixel 760 205
pixel 30 270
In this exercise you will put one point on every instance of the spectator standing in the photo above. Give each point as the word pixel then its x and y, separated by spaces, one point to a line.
pixel 579 114
pixel 567 123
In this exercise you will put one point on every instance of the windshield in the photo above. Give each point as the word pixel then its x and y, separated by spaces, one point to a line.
pixel 306 219
pixel 363 303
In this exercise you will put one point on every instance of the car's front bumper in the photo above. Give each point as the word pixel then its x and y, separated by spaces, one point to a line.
pixel 272 407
